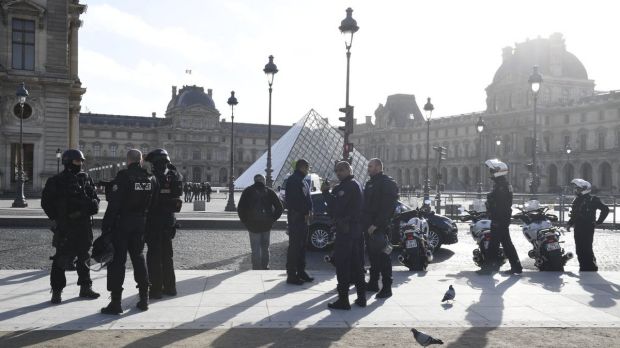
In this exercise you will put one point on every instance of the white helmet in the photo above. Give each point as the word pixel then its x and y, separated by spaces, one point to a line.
pixel 581 186
pixel 497 167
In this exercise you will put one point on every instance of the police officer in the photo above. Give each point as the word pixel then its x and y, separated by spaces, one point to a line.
pixel 161 224
pixel 133 193
pixel 299 205
pixel 69 198
pixel 499 209
pixel 380 198
pixel 344 205
pixel 583 218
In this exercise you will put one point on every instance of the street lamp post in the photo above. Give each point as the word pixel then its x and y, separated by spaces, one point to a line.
pixel 230 206
pixel 441 152
pixel 20 199
pixel 58 154
pixel 568 151
pixel 270 71
pixel 428 113
pixel 348 27
pixel 535 80
pixel 498 144
pixel 480 128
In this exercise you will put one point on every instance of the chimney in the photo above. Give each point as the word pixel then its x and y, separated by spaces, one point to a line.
pixel 369 120
pixel 210 93
pixel 153 114
pixel 506 53
pixel 174 91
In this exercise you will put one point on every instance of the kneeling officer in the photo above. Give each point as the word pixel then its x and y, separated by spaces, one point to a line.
pixel 344 205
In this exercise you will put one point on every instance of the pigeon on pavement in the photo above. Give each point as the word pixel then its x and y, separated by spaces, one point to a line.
pixel 449 295
pixel 424 339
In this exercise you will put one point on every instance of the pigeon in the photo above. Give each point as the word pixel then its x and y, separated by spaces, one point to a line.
pixel 449 295
pixel 424 339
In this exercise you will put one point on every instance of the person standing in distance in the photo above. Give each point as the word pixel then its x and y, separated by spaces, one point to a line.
pixel 299 205
pixel 583 218
pixel 380 198
pixel 259 207
pixel 499 209
pixel 344 206
pixel 70 199
pixel 161 224
pixel 133 193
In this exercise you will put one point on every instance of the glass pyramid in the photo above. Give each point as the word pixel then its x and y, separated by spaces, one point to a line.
pixel 313 139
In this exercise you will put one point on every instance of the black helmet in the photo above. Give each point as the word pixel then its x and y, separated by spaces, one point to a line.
pixel 72 154
pixel 102 254
pixel 157 155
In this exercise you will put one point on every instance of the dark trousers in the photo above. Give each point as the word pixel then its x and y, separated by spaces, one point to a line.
pixel 297 238
pixel 347 251
pixel 584 236
pixel 77 245
pixel 380 264
pixel 500 233
pixel 208 197
pixel 159 259
pixel 128 237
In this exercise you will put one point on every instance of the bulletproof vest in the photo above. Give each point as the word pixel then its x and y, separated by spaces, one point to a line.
pixel 140 192
pixel 170 189
pixel 77 189
pixel 584 209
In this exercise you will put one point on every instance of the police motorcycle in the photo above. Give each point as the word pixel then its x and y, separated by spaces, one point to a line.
pixel 416 251
pixel 538 229
pixel 480 229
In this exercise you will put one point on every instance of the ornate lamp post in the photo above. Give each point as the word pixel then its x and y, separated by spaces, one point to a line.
pixel 428 113
pixel 535 81
pixel 498 144
pixel 348 27
pixel 480 128
pixel 230 206
pixel 568 151
pixel 20 199
pixel 270 71
pixel 58 154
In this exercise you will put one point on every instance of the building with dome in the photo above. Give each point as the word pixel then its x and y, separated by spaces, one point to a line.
pixel 193 131
pixel 571 113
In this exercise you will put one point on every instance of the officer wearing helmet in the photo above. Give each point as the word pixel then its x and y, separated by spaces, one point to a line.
pixel 69 199
pixel 161 224
pixel 499 209
pixel 583 219
pixel 134 191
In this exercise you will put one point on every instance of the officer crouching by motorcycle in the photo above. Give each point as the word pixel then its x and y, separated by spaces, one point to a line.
pixel 133 192
pixel 344 205
pixel 583 219
pixel 69 199
pixel 499 209
pixel 161 224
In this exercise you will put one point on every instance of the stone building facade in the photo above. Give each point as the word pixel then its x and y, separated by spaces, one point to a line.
pixel 193 132
pixel 38 46
pixel 571 113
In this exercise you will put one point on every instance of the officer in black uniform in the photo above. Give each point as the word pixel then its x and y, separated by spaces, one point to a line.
pixel 583 218
pixel 134 190
pixel 161 224
pixel 380 198
pixel 299 205
pixel 499 209
pixel 344 206
pixel 69 199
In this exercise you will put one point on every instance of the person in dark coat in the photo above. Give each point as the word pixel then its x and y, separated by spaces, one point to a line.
pixel 344 206
pixel 299 205
pixel 259 207
pixel 583 219
pixel 209 191
pixel 380 198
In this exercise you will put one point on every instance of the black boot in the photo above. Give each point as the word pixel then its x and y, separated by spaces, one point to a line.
pixel 114 307
pixel 154 294
pixel 386 291
pixel 56 296
pixel 342 302
pixel 143 304
pixel 305 277
pixel 361 295
pixel 373 284
pixel 294 279
pixel 86 291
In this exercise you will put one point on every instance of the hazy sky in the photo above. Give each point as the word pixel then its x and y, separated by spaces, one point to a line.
pixel 132 52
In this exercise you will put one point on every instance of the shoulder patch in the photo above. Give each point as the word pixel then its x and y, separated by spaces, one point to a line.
pixel 340 193
pixel 114 187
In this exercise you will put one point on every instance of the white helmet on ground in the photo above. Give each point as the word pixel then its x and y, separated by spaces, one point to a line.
pixel 581 186
pixel 497 167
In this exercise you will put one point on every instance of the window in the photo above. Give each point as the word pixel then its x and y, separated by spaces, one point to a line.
pixel 601 115
pixel 566 119
pixel 23 44
pixel 547 120
pixel 547 142
pixel 97 150
pixel 601 141
pixel 583 142
pixel 583 117
pixel 113 148
pixel 196 155
pixel 566 140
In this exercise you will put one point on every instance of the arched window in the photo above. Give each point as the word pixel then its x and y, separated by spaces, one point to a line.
pixel 605 176
pixel 552 172
pixel 586 172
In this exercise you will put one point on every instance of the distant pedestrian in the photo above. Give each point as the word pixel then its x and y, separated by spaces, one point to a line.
pixel 209 191
pixel 258 209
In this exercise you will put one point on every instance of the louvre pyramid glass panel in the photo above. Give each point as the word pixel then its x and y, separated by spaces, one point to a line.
pixel 313 139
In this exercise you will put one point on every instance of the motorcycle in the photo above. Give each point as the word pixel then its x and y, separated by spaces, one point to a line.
pixel 415 250
pixel 538 229
pixel 480 229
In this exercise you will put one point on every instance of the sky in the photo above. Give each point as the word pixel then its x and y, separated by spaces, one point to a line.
pixel 132 52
